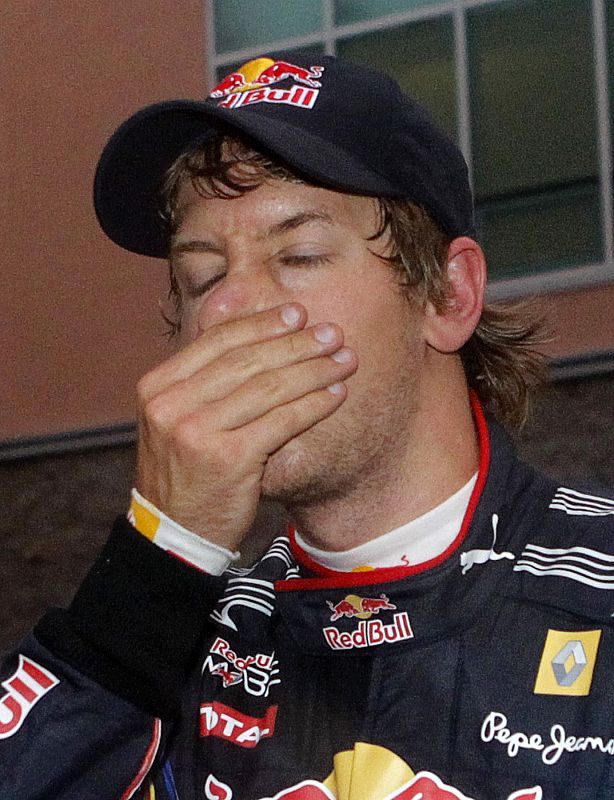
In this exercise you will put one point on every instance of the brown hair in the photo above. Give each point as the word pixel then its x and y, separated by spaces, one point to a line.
pixel 501 359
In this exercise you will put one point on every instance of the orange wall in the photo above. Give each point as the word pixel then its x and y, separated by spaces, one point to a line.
pixel 582 321
pixel 78 316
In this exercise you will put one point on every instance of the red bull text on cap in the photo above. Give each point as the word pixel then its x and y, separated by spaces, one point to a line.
pixel 336 124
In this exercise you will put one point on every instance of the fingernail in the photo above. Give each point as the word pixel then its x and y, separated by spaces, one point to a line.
pixel 290 315
pixel 325 334
pixel 336 388
pixel 343 356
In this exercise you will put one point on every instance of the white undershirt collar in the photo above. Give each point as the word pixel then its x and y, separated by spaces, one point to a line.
pixel 420 540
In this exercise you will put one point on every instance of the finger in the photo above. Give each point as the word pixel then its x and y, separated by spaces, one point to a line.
pixel 271 431
pixel 219 339
pixel 277 387
pixel 231 370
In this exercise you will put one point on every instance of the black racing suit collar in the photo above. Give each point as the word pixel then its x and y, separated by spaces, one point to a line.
pixel 411 605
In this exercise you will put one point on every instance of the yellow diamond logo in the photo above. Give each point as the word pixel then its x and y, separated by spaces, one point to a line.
pixel 567 663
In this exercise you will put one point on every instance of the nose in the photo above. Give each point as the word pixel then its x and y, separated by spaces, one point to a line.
pixel 242 292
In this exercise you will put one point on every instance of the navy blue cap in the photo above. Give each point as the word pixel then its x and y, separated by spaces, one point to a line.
pixel 338 124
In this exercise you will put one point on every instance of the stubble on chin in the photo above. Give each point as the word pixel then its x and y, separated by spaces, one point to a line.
pixel 303 473
pixel 323 465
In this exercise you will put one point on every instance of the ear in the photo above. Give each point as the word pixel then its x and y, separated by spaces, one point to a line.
pixel 447 329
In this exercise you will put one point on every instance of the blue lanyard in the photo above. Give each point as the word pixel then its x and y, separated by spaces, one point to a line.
pixel 169 781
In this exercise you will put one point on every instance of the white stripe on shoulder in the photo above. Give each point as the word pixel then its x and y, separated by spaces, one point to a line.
pixel 555 552
pixel 581 564
pixel 522 566
pixel 579 504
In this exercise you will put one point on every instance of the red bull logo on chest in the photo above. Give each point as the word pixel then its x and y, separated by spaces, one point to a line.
pixel 252 83
pixel 370 631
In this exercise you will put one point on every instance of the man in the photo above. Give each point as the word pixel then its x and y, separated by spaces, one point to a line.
pixel 437 624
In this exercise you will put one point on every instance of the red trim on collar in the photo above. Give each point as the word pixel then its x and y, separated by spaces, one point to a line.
pixel 331 578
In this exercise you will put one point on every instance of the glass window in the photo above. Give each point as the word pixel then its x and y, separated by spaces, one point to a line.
pixel 549 230
pixel 420 56
pixel 240 24
pixel 348 11
pixel 534 134
pixel 610 42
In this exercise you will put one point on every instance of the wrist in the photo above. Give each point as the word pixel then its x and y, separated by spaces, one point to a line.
pixel 180 542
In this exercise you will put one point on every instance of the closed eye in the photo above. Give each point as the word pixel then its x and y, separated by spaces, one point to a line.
pixel 197 290
pixel 307 260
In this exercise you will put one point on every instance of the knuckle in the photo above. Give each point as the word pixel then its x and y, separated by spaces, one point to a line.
pixel 293 419
pixel 217 337
pixel 295 346
pixel 217 333
pixel 239 361
pixel 158 413
pixel 269 383
pixel 187 434
pixel 191 435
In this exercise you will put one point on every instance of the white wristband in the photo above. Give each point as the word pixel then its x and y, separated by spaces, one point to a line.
pixel 177 540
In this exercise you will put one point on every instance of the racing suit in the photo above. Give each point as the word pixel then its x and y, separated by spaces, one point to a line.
pixel 486 673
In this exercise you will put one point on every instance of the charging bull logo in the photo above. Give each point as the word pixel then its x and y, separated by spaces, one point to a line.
pixel 251 84
pixel 361 607
pixel 370 772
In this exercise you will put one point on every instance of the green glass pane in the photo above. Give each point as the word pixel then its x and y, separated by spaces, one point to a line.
pixel 420 56
pixel 610 39
pixel 309 53
pixel 240 24
pixel 532 94
pixel 534 138
pixel 547 231
pixel 348 11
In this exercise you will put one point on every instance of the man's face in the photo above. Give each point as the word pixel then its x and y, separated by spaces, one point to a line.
pixel 289 242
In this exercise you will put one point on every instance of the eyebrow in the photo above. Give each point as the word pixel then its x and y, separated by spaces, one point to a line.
pixel 295 221
pixel 284 226
pixel 194 246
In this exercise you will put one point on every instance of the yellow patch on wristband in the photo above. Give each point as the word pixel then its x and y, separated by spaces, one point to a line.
pixel 144 520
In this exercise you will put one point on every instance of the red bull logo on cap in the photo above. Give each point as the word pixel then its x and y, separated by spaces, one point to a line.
pixel 251 84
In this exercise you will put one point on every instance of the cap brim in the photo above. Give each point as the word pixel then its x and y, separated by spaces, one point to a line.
pixel 133 165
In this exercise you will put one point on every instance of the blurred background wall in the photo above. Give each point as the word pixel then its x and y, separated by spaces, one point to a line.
pixel 79 316
pixel 525 87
